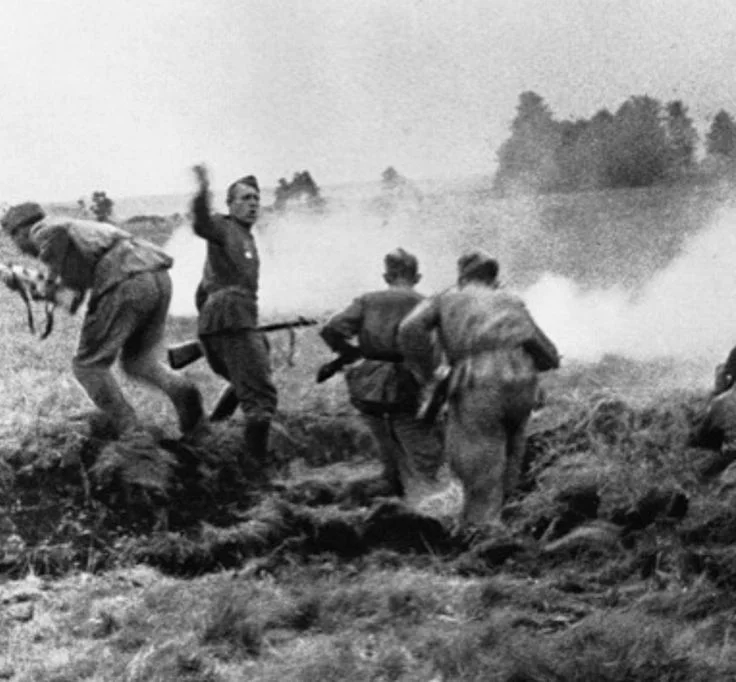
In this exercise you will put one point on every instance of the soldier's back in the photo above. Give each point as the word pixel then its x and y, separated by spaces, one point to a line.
pixel 477 318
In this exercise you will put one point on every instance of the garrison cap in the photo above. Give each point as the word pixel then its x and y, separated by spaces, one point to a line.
pixel 477 264
pixel 400 263
pixel 20 215
pixel 249 180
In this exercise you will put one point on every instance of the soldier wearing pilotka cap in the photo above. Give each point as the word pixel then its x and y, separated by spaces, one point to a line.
pixel 129 295
pixel 381 387
pixel 495 352
pixel 227 300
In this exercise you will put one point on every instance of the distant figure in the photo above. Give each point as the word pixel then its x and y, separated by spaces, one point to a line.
pixel 380 385
pixel 130 293
pixel 495 352
pixel 227 299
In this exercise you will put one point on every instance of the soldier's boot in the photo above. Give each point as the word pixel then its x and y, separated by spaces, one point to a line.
pixel 190 409
pixel 257 431
pixel 226 404
pixel 390 483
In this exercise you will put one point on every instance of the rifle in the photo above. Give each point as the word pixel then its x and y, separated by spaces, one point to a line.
pixel 32 285
pixel 329 369
pixel 186 353
pixel 435 395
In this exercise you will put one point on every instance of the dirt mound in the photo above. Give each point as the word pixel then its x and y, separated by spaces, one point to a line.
pixel 600 480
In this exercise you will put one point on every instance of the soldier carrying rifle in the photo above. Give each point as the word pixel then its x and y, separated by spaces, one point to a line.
pixel 227 300
pixel 129 294
pixel 380 384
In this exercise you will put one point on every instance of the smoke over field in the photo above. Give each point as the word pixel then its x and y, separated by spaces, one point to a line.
pixel 641 275
pixel 682 311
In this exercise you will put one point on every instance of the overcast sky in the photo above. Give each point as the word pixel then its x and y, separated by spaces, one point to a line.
pixel 125 95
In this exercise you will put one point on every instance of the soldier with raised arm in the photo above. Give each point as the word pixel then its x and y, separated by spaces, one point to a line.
pixel 129 295
pixel 495 352
pixel 227 300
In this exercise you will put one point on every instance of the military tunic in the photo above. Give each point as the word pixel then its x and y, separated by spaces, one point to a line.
pixel 492 344
pixel 130 292
pixel 228 312
pixel 384 390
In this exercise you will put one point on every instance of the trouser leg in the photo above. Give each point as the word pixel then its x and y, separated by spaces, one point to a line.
pixel 141 355
pixel 420 450
pixel 515 451
pixel 519 398
pixel 476 449
pixel 242 357
pixel 388 451
pixel 184 394
pixel 105 393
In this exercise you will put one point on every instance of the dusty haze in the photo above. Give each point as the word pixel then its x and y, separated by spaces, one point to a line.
pixel 315 264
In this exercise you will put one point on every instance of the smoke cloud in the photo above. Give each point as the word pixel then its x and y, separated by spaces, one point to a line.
pixel 683 312
pixel 314 264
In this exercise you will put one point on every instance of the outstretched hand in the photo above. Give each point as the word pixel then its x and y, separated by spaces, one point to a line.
pixel 200 172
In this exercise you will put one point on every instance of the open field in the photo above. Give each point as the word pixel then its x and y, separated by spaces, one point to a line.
pixel 617 562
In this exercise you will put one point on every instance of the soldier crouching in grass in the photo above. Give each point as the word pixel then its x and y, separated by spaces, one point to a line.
pixel 381 387
pixel 227 300
pixel 129 295
pixel 495 352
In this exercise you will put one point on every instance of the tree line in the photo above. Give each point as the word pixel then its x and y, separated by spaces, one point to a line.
pixel 642 143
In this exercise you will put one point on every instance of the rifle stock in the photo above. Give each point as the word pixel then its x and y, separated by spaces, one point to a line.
pixel 183 354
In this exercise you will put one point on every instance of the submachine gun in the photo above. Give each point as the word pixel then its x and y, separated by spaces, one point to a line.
pixel 183 354
pixel 33 285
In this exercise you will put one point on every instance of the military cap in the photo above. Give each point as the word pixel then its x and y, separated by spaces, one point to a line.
pixel 21 214
pixel 249 180
pixel 401 263
pixel 477 264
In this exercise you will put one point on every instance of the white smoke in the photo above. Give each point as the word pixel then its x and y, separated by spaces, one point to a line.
pixel 314 264
pixel 684 312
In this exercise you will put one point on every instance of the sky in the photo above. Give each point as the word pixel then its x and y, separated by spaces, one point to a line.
pixel 125 96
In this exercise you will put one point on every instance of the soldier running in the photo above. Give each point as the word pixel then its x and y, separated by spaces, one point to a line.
pixel 380 385
pixel 129 295
pixel 495 352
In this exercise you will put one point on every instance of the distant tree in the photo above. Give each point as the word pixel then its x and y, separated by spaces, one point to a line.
pixel 593 151
pixel 102 206
pixel 721 137
pixel 301 186
pixel 682 138
pixel 526 161
pixel 391 178
pixel 638 153
pixel 568 154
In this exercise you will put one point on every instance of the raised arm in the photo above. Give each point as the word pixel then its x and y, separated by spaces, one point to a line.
pixel 203 224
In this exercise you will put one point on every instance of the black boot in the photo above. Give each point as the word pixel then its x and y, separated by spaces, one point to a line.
pixel 254 462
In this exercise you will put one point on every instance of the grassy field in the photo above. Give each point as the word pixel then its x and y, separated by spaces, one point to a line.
pixel 616 563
